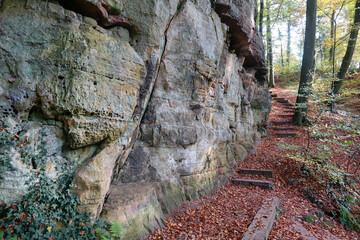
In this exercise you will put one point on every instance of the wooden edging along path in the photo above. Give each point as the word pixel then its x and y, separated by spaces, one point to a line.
pixel 263 222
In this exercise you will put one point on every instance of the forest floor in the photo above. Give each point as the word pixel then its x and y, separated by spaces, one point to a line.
pixel 351 94
pixel 228 211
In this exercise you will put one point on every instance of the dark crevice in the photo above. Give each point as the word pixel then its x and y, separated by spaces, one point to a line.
pixel 147 88
pixel 36 114
pixel 33 163
pixel 150 67
pixel 146 91
pixel 99 12
pixel 158 222
pixel 153 68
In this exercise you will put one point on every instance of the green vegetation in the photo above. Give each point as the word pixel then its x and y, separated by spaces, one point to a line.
pixel 329 162
pixel 49 210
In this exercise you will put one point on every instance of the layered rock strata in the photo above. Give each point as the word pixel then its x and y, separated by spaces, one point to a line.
pixel 151 103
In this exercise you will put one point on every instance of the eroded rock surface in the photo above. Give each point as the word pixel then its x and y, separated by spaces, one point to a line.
pixel 151 103
pixel 107 13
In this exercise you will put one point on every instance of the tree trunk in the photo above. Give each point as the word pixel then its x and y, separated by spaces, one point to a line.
pixel 322 47
pixel 269 48
pixel 281 54
pixel 261 17
pixel 307 64
pixel 332 33
pixel 349 51
pixel 256 11
pixel 288 50
pixel 281 49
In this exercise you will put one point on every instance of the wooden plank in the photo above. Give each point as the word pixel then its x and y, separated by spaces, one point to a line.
pixel 286 134
pixel 286 111
pixel 279 98
pixel 285 115
pixel 285 129
pixel 288 104
pixel 282 123
pixel 261 226
pixel 257 183
pixel 261 172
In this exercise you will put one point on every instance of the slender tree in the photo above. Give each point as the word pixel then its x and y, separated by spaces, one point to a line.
pixel 332 37
pixel 281 48
pixel 288 50
pixel 349 51
pixel 269 47
pixel 307 64
pixel 261 17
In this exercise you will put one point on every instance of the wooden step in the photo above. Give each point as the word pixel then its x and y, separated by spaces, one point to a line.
pixel 289 108
pixel 279 99
pixel 261 226
pixel 286 134
pixel 285 129
pixel 283 101
pixel 282 122
pixel 261 172
pixel 288 111
pixel 285 115
pixel 288 104
pixel 257 183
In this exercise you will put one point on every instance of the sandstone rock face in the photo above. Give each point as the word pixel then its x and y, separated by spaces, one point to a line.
pixel 151 103
pixel 136 205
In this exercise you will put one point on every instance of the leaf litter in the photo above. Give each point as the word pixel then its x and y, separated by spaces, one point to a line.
pixel 229 210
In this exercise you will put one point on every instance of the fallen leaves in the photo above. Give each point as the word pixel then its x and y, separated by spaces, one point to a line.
pixel 223 215
pixel 229 210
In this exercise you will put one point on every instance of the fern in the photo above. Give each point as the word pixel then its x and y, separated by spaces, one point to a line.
pixel 116 229
pixel 111 232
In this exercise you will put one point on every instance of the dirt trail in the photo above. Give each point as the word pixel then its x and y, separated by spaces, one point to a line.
pixel 227 212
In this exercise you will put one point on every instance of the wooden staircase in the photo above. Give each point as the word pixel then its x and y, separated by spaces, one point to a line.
pixel 251 182
pixel 263 221
pixel 290 109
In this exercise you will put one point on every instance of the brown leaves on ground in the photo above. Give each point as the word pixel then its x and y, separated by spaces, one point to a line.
pixel 225 214
pixel 228 211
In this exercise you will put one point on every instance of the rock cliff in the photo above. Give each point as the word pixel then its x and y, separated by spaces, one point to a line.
pixel 151 103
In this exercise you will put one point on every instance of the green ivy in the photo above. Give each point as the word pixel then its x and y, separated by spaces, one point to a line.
pixel 6 141
pixel 49 210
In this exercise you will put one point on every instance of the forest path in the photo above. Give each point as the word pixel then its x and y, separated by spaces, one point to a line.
pixel 228 212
